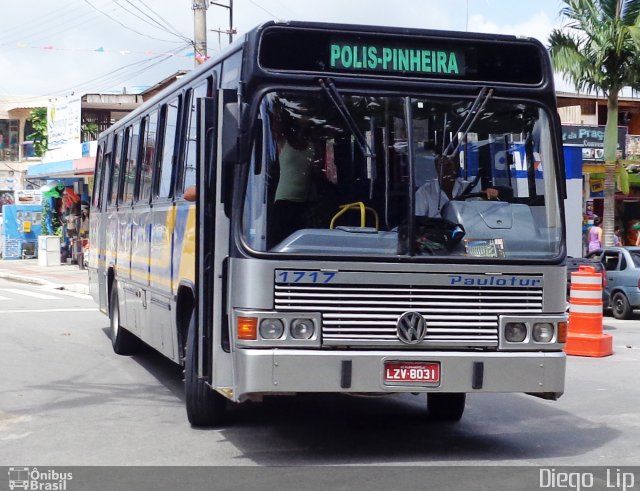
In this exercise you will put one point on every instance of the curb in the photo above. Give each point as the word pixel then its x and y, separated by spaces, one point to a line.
pixel 23 279
pixel 73 287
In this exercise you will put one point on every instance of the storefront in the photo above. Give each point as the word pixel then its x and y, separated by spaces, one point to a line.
pixel 590 139
pixel 68 173
pixel 627 207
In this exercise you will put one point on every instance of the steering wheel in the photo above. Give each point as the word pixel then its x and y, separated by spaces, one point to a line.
pixel 466 196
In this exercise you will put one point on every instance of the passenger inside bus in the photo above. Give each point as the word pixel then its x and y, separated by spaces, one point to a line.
pixel 297 164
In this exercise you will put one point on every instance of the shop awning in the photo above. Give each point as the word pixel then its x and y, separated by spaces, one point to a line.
pixel 51 169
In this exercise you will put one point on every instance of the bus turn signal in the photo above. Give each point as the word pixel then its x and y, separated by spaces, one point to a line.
pixel 247 328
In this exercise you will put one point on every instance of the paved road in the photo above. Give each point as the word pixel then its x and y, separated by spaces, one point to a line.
pixel 68 400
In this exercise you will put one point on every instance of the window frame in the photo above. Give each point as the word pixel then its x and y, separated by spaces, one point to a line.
pixel 167 162
pixel 145 125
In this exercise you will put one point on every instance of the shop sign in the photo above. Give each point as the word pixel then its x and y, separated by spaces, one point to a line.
pixel 29 197
pixel 633 145
pixel 596 188
pixel 591 139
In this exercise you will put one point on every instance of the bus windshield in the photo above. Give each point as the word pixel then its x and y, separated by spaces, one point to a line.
pixel 350 174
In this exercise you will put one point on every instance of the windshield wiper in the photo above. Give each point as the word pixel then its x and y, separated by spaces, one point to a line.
pixel 474 112
pixel 336 98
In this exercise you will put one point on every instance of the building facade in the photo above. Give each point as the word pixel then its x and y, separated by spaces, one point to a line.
pixel 583 118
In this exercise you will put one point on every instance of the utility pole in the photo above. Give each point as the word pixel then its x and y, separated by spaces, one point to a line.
pixel 199 30
pixel 231 31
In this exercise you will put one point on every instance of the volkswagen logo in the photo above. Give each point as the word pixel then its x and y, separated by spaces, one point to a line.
pixel 411 328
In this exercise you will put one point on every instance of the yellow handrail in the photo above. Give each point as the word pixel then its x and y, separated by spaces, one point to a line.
pixel 363 210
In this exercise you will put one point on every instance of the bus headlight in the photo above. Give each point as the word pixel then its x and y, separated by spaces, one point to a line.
pixel 271 328
pixel 543 332
pixel 302 328
pixel 515 332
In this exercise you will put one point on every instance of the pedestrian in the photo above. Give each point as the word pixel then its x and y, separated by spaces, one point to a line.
pixel 594 236
pixel 617 240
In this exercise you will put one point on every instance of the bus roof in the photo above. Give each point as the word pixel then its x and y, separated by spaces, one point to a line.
pixel 378 52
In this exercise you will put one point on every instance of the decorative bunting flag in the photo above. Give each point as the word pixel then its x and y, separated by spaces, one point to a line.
pixel 101 49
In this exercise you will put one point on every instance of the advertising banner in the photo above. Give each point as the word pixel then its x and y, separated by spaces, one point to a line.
pixel 63 121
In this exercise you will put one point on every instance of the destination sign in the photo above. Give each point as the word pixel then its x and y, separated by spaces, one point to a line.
pixel 431 55
pixel 396 59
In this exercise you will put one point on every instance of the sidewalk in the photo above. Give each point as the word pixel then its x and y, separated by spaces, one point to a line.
pixel 65 277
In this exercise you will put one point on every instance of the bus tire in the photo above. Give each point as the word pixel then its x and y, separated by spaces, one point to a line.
pixel 620 306
pixel 205 407
pixel 123 341
pixel 444 406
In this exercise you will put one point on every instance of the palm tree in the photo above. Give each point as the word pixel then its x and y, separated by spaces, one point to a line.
pixel 599 50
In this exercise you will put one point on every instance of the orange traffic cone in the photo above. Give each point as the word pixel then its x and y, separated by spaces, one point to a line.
pixel 585 337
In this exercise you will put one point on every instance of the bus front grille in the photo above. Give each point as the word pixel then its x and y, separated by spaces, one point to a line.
pixel 366 315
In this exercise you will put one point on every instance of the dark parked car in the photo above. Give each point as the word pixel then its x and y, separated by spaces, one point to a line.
pixel 622 267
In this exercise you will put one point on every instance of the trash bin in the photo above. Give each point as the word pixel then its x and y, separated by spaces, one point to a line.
pixel 48 250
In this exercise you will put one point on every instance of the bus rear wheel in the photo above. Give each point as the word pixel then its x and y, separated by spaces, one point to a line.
pixel 444 406
pixel 123 342
pixel 205 407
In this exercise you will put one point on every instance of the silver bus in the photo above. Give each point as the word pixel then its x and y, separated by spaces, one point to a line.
pixel 341 209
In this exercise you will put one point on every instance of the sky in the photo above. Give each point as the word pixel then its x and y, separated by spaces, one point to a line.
pixel 60 47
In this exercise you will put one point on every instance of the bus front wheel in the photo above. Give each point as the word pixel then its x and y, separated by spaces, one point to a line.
pixel 205 407
pixel 123 342
pixel 444 406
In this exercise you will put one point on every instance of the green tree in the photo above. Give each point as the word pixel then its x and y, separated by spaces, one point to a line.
pixel 38 119
pixel 599 50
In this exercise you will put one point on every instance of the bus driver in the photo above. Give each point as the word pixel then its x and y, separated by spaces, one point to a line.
pixel 446 185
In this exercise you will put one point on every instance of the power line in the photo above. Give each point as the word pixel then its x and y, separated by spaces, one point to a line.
pixel 122 73
pixel 43 19
pixel 262 8
pixel 158 16
pixel 123 25
pixel 154 23
pixel 131 75
pixel 53 27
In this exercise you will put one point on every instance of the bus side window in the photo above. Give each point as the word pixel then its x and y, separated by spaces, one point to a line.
pixel 148 156
pixel 98 184
pixel 115 172
pixel 170 125
pixel 131 160
pixel 231 71
pixel 189 164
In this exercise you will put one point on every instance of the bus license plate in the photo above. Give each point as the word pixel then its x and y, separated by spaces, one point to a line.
pixel 412 372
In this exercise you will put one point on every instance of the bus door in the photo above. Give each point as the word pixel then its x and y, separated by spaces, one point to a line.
pixel 162 221
pixel 111 225
pixel 97 272
pixel 205 232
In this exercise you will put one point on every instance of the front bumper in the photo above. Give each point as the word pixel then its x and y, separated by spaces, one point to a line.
pixel 272 371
